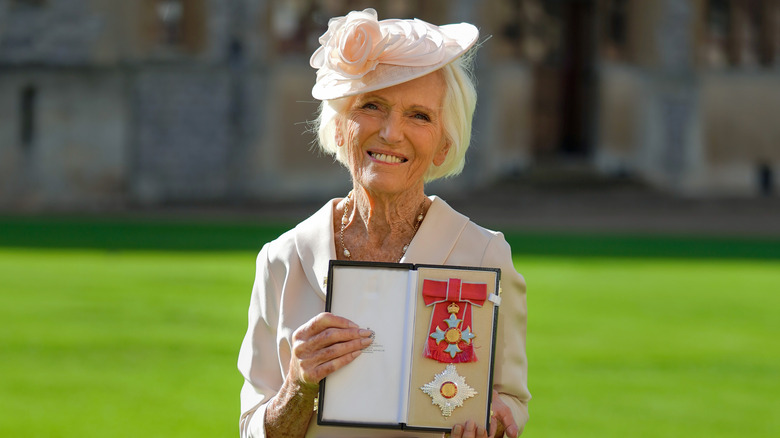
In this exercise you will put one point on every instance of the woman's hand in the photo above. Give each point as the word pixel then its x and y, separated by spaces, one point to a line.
pixel 501 422
pixel 323 345
pixel 319 347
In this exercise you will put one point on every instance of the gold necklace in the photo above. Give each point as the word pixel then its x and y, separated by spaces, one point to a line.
pixel 345 221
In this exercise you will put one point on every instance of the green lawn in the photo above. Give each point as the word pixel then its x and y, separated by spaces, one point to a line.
pixel 131 329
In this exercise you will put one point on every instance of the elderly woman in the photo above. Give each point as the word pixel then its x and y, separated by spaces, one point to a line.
pixel 397 105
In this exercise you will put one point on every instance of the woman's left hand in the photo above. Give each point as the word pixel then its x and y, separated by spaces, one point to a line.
pixel 501 423
pixel 469 430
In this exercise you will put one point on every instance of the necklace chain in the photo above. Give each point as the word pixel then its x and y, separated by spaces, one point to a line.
pixel 345 221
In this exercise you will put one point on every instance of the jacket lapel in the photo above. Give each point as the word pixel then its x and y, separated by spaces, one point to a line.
pixel 314 243
pixel 437 235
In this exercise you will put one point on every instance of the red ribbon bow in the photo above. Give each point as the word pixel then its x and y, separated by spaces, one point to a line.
pixel 453 290
pixel 440 294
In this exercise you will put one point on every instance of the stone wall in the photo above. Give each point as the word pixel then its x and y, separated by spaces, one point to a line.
pixel 61 32
pixel 76 150
pixel 183 134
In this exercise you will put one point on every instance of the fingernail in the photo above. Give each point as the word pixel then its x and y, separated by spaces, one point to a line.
pixel 366 341
pixel 366 333
pixel 356 353
pixel 457 429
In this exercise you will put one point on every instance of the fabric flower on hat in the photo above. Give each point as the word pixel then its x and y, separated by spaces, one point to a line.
pixel 352 44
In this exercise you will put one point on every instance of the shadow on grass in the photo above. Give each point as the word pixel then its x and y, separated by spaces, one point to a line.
pixel 181 235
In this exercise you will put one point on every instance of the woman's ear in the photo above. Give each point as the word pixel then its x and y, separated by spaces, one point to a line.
pixel 339 137
pixel 441 154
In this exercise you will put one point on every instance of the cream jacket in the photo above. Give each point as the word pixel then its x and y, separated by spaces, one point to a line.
pixel 289 290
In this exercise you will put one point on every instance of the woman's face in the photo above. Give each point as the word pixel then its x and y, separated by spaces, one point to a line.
pixel 395 134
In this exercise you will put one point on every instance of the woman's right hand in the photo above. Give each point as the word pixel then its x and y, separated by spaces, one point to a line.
pixel 323 345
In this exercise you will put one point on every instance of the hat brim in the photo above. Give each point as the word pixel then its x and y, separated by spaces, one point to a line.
pixel 460 38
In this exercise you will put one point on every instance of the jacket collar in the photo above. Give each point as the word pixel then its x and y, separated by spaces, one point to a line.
pixel 433 243
pixel 314 241
pixel 437 235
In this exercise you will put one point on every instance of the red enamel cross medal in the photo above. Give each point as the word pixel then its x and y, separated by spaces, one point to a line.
pixel 450 335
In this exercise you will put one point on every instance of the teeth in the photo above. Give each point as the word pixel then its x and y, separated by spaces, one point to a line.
pixel 386 158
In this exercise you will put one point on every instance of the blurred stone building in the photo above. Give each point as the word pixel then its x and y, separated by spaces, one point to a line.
pixel 106 103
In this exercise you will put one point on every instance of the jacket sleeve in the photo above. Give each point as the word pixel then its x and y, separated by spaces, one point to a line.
pixel 511 365
pixel 257 359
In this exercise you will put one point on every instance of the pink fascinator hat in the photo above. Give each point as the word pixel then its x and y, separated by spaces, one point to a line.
pixel 359 53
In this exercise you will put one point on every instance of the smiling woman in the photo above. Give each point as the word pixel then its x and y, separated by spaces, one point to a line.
pixel 394 135
pixel 397 104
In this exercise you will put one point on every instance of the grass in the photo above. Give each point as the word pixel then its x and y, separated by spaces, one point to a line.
pixel 653 347
pixel 133 327
pixel 138 343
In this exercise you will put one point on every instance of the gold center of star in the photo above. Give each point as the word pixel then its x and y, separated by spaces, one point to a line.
pixel 448 390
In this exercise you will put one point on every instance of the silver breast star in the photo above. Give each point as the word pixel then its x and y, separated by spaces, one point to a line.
pixel 448 390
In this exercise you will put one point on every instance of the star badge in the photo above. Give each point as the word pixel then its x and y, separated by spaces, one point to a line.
pixel 448 390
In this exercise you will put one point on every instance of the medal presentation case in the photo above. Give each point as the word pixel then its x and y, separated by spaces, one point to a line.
pixel 430 365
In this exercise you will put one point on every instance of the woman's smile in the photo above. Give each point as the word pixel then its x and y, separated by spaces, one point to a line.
pixel 386 158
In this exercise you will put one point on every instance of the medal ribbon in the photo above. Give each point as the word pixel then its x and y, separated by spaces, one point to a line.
pixel 442 294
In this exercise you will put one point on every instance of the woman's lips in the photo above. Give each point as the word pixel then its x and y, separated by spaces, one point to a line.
pixel 386 158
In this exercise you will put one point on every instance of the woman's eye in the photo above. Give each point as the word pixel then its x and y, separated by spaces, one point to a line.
pixel 423 117
pixel 370 106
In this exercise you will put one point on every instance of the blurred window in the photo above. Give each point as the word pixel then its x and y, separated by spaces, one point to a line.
pixel 775 32
pixel 751 25
pixel 27 104
pixel 719 50
pixel 177 25
pixel 614 18
pixel 169 14
pixel 529 30
pixel 742 33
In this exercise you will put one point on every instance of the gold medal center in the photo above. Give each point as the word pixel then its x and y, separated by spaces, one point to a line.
pixel 452 336
pixel 449 390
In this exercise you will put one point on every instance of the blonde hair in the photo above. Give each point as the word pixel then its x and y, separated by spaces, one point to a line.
pixel 460 99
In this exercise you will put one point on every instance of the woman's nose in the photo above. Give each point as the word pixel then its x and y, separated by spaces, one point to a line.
pixel 392 129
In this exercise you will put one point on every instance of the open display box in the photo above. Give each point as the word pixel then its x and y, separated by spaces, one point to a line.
pixel 431 363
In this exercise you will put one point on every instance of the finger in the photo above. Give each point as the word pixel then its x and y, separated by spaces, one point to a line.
pixel 493 426
pixel 504 415
pixel 317 357
pixel 331 336
pixel 306 342
pixel 505 421
pixel 457 431
pixel 322 321
pixel 470 431
pixel 326 347
pixel 332 320
pixel 325 369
